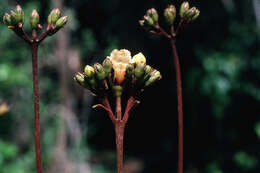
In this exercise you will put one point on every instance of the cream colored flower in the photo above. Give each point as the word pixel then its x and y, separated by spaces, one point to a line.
pixel 120 59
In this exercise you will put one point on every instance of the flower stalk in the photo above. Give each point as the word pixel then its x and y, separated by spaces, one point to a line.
pixel 119 74
pixel 187 15
pixel 15 22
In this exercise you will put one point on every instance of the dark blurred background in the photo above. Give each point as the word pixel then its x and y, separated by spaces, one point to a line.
pixel 220 62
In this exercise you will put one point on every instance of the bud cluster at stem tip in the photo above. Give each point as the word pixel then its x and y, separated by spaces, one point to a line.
pixel 55 18
pixel 118 72
pixel 187 15
pixel 34 20
pixel 15 18
pixel 150 19
pixel 170 14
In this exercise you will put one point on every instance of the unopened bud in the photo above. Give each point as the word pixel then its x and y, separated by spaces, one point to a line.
pixel 7 19
pixel 79 78
pixel 144 24
pixel 54 16
pixel 19 14
pixel 139 70
pixel 61 22
pixel 153 14
pixel 189 14
pixel 107 64
pixel 14 18
pixel 170 14
pixel 184 8
pixel 197 13
pixel 148 69
pixel 100 73
pixel 34 19
pixel 147 72
pixel 148 20
pixel 89 71
pixel 117 89
pixel 39 26
pixel 129 70
pixel 155 76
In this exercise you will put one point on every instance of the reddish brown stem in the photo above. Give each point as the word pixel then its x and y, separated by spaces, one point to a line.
pixel 118 108
pixel 119 130
pixel 34 49
pixel 180 111
pixel 130 104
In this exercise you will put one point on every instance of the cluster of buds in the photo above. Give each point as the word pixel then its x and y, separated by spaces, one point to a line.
pixel 55 20
pixel 15 21
pixel 187 15
pixel 118 72
pixel 15 18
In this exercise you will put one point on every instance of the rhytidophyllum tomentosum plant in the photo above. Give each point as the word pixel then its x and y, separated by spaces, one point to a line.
pixel 119 76
pixel 150 22
pixel 15 21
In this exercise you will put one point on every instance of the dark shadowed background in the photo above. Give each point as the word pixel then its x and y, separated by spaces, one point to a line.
pixel 220 62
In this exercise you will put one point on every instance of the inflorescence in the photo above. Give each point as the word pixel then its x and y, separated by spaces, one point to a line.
pixel 118 72
pixel 150 21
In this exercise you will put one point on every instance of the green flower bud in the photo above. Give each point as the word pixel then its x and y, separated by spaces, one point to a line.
pixel 197 13
pixel 93 84
pixel 89 71
pixel 147 69
pixel 144 24
pixel 148 20
pixel 184 8
pixel 147 72
pixel 80 79
pixel 118 90
pixel 155 76
pixel 139 70
pixel 107 64
pixel 153 14
pixel 7 19
pixel 129 70
pixel 61 22
pixel 170 14
pixel 34 19
pixel 14 18
pixel 19 14
pixel 100 73
pixel 54 16
pixel 189 14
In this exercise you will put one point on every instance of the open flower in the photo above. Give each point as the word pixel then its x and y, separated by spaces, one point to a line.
pixel 120 59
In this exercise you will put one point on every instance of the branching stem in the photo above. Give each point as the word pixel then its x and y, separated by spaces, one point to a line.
pixel 34 44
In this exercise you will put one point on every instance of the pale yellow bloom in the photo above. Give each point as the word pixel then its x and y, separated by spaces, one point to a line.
pixel 138 58
pixel 89 71
pixel 120 59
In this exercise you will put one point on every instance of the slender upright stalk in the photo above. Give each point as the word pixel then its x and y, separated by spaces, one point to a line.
pixel 119 132
pixel 180 110
pixel 34 50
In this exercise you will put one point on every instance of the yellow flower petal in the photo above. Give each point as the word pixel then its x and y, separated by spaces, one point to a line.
pixel 139 58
